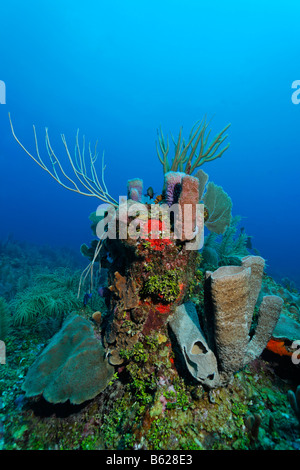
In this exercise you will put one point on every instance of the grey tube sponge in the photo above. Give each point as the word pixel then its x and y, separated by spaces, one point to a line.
pixel 200 360
pixel 268 316
pixel 234 291
pixel 257 264
pixel 230 289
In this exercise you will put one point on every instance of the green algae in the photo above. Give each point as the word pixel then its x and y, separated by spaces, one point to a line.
pixel 165 286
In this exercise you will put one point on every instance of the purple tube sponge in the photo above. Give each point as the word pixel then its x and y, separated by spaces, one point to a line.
pixel 173 180
pixel 135 189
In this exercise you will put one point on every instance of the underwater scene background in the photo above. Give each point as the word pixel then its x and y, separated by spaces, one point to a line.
pixel 122 72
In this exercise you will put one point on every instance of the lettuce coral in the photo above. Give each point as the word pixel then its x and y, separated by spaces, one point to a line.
pixel 72 367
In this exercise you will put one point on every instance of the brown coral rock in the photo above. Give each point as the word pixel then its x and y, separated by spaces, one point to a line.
pixel 126 291
pixel 97 317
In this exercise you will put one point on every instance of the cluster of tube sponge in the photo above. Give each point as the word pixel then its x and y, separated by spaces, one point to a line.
pixel 180 189
pixel 226 347
pixel 188 191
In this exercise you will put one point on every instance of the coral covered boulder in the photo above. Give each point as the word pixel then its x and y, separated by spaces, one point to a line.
pixel 72 367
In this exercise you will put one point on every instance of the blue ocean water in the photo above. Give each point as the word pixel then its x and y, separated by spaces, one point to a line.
pixel 117 71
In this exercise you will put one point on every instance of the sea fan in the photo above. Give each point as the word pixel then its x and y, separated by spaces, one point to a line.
pixel 219 206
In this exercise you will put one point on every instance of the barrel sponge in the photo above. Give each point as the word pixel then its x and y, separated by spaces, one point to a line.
pixel 72 367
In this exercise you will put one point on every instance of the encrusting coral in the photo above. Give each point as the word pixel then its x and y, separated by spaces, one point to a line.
pixel 148 278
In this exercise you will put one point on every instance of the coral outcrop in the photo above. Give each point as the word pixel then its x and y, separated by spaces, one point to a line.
pixel 149 278
pixel 162 331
